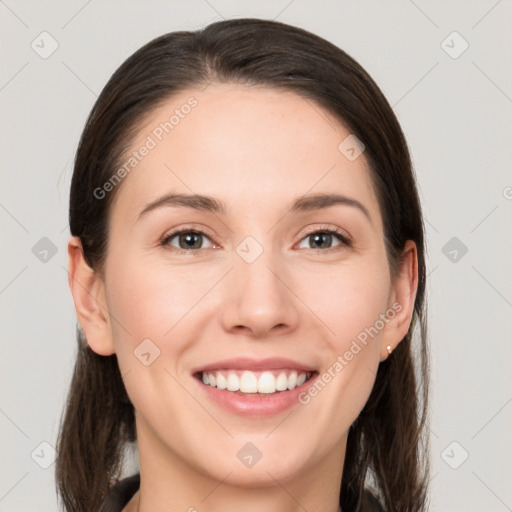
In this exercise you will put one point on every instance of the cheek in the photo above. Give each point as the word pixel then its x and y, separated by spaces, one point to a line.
pixel 149 299
pixel 347 299
pixel 150 305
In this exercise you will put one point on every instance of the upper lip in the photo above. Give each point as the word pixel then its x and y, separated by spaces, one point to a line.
pixel 244 363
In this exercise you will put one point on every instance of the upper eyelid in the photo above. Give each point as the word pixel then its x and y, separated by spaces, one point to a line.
pixel 187 229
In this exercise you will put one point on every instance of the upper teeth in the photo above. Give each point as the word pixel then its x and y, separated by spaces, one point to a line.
pixel 254 382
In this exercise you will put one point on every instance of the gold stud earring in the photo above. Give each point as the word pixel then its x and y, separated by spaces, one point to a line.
pixel 389 349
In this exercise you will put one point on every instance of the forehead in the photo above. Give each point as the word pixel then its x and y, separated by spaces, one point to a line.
pixel 252 147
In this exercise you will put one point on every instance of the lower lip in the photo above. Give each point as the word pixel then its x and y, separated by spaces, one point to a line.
pixel 252 404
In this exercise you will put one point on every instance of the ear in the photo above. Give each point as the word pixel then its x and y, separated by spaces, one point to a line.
pixel 88 292
pixel 402 298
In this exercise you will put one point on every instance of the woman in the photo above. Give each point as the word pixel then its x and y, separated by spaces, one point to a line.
pixel 247 266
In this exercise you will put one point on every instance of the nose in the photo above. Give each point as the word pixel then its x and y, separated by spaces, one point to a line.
pixel 258 300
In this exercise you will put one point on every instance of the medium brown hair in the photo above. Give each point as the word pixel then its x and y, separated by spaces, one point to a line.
pixel 387 444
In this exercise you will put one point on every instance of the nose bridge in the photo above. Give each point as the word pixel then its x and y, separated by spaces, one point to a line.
pixel 256 298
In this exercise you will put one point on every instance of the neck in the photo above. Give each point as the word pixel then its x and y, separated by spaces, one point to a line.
pixel 191 509
pixel 194 510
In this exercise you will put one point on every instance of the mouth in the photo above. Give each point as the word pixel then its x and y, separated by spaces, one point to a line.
pixel 255 388
pixel 255 383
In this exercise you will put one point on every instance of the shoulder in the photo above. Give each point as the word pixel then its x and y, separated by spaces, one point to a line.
pixel 121 494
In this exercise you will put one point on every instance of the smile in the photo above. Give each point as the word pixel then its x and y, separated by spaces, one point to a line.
pixel 247 381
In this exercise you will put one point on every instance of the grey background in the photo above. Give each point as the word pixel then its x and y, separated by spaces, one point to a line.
pixel 456 114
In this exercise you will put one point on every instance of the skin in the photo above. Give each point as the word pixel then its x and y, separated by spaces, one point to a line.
pixel 256 149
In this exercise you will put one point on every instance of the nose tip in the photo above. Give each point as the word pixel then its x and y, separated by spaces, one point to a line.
pixel 257 302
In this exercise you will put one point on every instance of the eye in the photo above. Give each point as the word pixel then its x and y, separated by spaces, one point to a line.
pixel 193 240
pixel 187 240
pixel 324 239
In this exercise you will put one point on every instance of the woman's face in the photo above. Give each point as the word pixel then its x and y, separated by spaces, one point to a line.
pixel 286 259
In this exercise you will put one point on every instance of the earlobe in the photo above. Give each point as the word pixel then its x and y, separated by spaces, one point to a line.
pixel 402 299
pixel 88 292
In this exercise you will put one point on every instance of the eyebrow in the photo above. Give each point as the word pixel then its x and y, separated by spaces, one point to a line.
pixel 211 204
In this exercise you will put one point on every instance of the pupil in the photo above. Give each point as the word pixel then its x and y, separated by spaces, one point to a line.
pixel 322 240
pixel 190 241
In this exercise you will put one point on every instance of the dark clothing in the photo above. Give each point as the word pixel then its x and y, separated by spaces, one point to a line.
pixel 123 491
pixel 121 494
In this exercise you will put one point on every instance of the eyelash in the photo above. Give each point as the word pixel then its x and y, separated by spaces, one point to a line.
pixel 343 238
